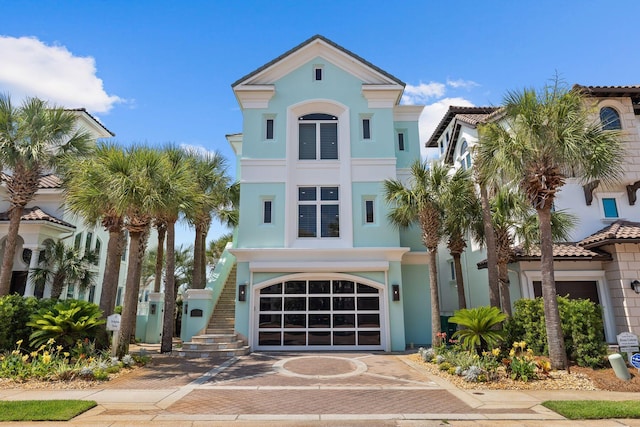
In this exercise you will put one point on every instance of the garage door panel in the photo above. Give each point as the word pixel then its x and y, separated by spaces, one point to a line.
pixel 318 314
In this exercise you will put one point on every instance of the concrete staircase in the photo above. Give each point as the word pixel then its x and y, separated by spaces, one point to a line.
pixel 219 339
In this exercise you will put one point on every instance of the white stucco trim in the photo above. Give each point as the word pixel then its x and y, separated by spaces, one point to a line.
pixel 407 113
pixel 529 276
pixel 263 170
pixel 254 96
pixel 318 172
pixel 382 96
pixel 415 258
pixel 372 169
pixel 235 140
pixel 329 255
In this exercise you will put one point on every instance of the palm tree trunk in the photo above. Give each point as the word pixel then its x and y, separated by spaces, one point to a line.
pixel 203 256
pixel 169 291
pixel 505 293
pixel 57 285
pixel 198 282
pixel 10 249
pixel 435 298
pixel 162 230
pixel 462 301
pixel 109 292
pixel 490 239
pixel 130 304
pixel 555 338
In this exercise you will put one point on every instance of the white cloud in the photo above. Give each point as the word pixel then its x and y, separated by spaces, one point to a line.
pixel 416 95
pixel 464 84
pixel 431 116
pixel 31 68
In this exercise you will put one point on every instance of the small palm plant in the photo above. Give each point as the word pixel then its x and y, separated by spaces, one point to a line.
pixel 479 328
pixel 65 323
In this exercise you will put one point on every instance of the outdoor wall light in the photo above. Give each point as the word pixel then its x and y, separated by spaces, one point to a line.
pixel 635 285
pixel 242 292
pixel 395 292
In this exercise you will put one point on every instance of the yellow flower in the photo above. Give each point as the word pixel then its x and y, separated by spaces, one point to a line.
pixel 90 360
pixel 495 351
pixel 51 341
pixel 15 352
pixel 25 357
pixel 34 353
pixel 46 358
pixel 59 348
pixel 42 347
pixel 523 344
pixel 19 343
pixel 512 353
pixel 66 354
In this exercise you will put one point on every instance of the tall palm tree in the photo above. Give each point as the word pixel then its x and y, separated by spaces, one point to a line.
pixel 33 138
pixel 546 135
pixel 489 238
pixel 62 265
pixel 180 194
pixel 462 209
pixel 214 187
pixel 420 202
pixel 137 198
pixel 87 196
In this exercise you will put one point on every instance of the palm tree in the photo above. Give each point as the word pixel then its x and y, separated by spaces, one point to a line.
pixel 62 265
pixel 216 248
pixel 547 134
pixel 87 196
pixel 421 202
pixel 462 209
pixel 217 200
pixel 137 198
pixel 489 238
pixel 33 138
pixel 179 192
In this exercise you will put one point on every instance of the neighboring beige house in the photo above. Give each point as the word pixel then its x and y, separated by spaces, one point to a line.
pixel 602 259
pixel 45 219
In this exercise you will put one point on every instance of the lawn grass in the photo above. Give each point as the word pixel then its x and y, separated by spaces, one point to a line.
pixel 43 410
pixel 594 409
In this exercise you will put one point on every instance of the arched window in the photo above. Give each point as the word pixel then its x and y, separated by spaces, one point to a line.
pixel 465 155
pixel 318 137
pixel 610 119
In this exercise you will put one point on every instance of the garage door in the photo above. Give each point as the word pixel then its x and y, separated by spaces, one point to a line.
pixel 319 314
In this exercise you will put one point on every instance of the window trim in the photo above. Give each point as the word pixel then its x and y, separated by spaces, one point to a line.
pixel 401 140
pixel 366 133
pixel 618 198
pixel 318 202
pixel 465 156
pixel 265 201
pixel 369 218
pixel 269 131
pixel 318 136
pixel 318 73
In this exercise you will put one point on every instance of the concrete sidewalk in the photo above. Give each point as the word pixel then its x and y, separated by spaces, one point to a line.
pixel 346 389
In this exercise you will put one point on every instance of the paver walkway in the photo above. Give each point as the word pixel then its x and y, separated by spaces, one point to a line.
pixel 299 389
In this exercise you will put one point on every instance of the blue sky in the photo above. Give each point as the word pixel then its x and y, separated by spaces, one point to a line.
pixel 160 71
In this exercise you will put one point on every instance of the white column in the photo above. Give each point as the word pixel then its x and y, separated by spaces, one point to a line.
pixel 33 263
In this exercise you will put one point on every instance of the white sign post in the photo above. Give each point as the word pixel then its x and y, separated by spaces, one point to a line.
pixel 628 343
pixel 113 324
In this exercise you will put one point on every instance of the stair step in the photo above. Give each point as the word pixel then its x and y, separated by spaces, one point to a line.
pixel 214 338
pixel 213 353
pixel 197 346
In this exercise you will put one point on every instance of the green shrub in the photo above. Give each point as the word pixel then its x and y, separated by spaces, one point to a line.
pixel 582 327
pixel 15 312
pixel 67 323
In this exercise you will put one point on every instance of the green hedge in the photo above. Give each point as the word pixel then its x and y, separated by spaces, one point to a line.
pixel 581 325
pixel 15 312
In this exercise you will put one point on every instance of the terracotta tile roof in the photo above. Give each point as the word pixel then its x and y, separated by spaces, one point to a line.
pixel 470 115
pixel 37 214
pixel 48 181
pixel 309 41
pixel 618 232
pixel 565 251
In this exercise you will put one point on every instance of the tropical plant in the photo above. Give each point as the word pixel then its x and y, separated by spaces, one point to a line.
pixel 33 139
pixel 62 265
pixel 546 136
pixel 462 209
pixel 219 200
pixel 15 312
pixel 66 323
pixel 88 195
pixel 216 248
pixel 479 330
pixel 421 202
pixel 180 194
pixel 137 198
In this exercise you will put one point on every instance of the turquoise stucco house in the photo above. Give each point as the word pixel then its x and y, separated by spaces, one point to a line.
pixel 319 267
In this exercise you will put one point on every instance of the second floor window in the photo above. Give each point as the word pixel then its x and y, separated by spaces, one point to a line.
pixel 610 119
pixel 465 155
pixel 318 212
pixel 318 137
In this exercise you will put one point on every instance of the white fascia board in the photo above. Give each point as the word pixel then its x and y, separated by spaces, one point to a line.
pixel 407 113
pixel 263 170
pixel 304 256
pixel 382 96
pixel 235 141
pixel 254 96
pixel 90 124
pixel 415 258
